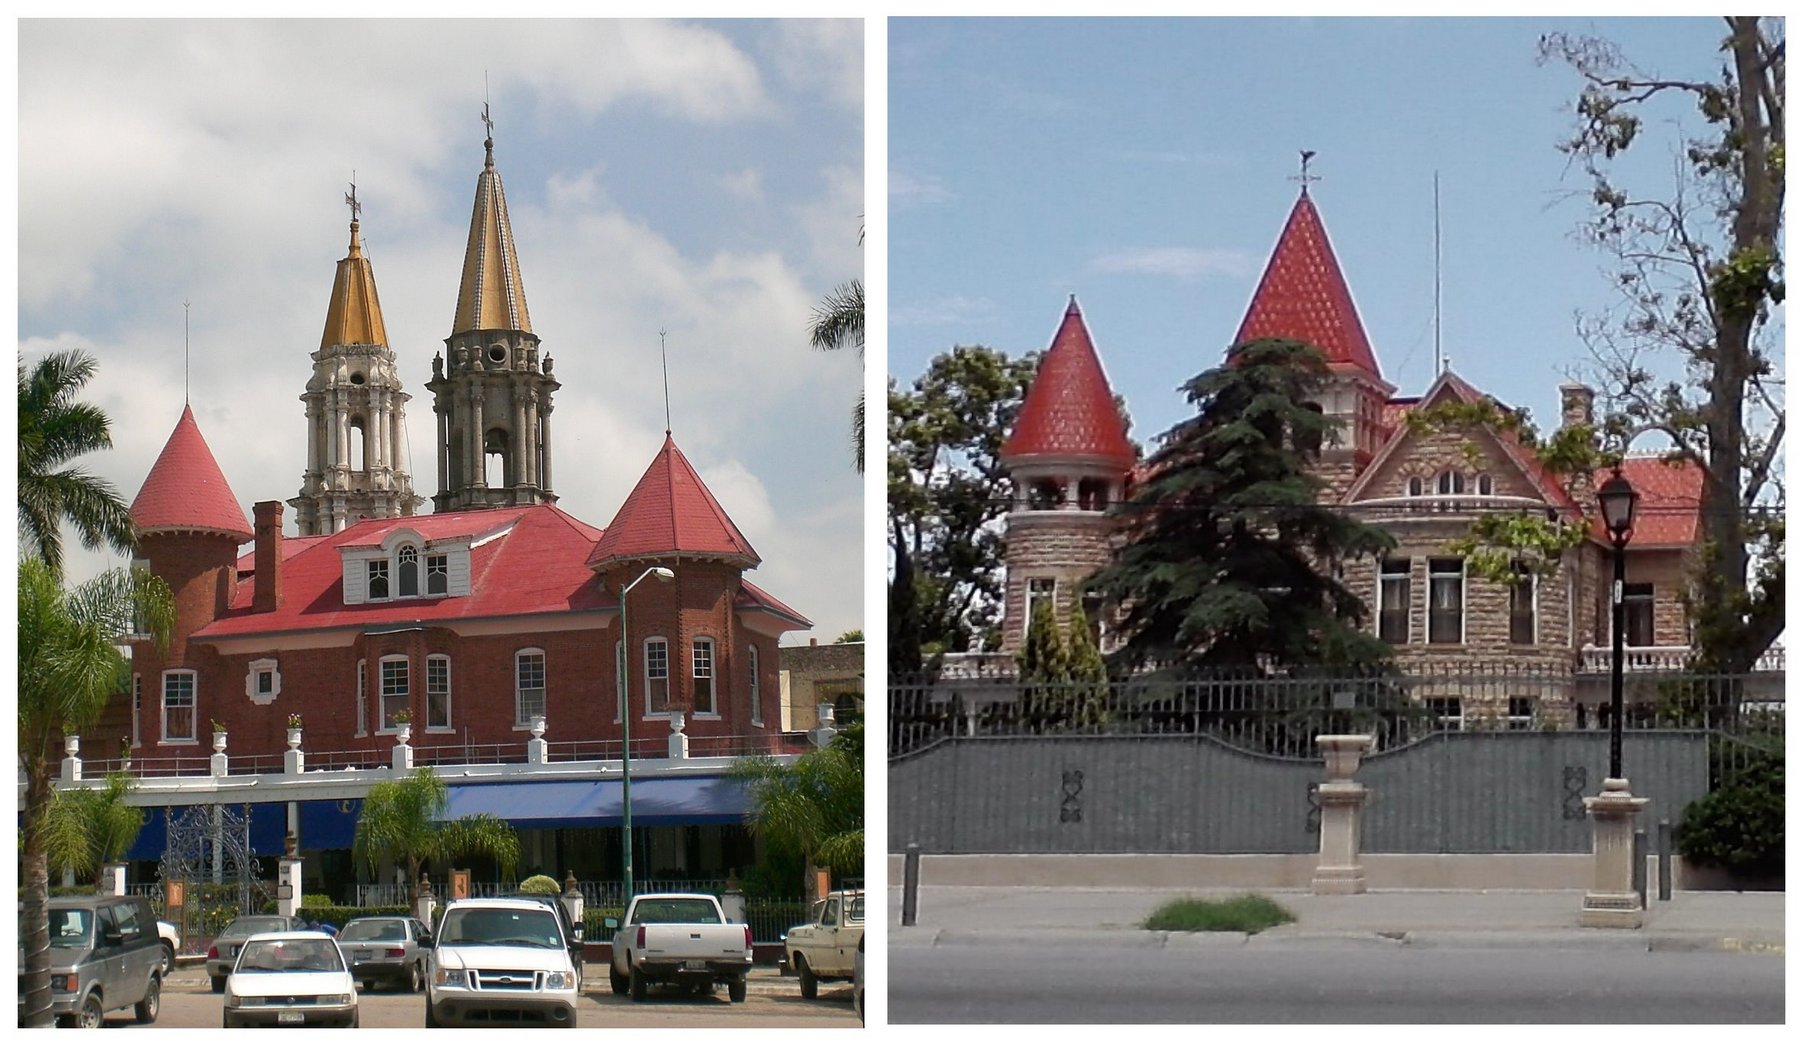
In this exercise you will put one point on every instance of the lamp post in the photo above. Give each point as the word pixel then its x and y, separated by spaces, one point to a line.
pixel 1618 508
pixel 663 575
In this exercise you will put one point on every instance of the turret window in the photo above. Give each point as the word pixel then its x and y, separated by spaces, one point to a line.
pixel 1045 495
pixel 178 706
pixel 656 676
pixel 1090 494
pixel 756 717
pixel 703 677
pixel 531 701
pixel 396 690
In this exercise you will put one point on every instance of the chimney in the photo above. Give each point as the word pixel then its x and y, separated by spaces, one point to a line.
pixel 268 556
pixel 1577 405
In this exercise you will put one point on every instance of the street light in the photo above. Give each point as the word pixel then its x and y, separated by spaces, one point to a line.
pixel 1618 509
pixel 664 575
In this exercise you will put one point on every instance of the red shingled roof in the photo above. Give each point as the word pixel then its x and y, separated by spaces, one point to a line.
pixel 751 596
pixel 1069 410
pixel 1303 295
pixel 186 491
pixel 671 512
pixel 1668 512
pixel 537 566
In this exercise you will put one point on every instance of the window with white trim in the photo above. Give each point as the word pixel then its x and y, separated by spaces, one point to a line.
pixel 263 681
pixel 1415 486
pixel 756 718
pixel 378 580
pixel 137 709
pixel 362 698
pixel 178 706
pixel 1037 589
pixel 1519 710
pixel 408 570
pixel 437 573
pixel 1393 595
pixel 396 690
pixel 703 677
pixel 1484 484
pixel 656 676
pixel 1448 713
pixel 1444 620
pixel 529 698
pixel 437 691
pixel 1522 598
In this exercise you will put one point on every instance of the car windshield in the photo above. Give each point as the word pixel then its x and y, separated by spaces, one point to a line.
pixel 71 928
pixel 534 928
pixel 244 926
pixel 677 910
pixel 374 931
pixel 279 956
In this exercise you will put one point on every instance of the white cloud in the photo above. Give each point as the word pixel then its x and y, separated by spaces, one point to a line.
pixel 1178 262
pixel 746 184
pixel 944 311
pixel 916 189
pixel 821 55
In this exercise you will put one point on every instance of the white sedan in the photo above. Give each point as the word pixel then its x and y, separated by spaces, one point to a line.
pixel 294 978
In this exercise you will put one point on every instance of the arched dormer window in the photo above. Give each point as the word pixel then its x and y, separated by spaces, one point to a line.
pixel 408 571
pixel 1450 483
pixel 1484 484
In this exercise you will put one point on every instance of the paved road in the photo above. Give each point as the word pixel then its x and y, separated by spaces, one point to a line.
pixel 1319 981
pixel 189 1002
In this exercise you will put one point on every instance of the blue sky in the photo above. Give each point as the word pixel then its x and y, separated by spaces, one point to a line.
pixel 1147 165
pixel 700 178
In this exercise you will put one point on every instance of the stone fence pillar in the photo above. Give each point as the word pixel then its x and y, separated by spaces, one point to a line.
pixel 287 886
pixel 112 879
pixel 71 765
pixel 1611 900
pixel 678 740
pixel 1340 870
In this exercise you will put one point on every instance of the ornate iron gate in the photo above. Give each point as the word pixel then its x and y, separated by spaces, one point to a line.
pixel 210 875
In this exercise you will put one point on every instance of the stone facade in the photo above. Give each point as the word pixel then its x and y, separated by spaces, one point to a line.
pixel 813 674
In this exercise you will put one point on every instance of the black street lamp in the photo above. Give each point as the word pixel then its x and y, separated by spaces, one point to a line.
pixel 663 576
pixel 1618 508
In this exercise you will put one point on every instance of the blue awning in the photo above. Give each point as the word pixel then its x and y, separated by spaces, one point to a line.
pixel 701 800
pixel 268 831
pixel 327 825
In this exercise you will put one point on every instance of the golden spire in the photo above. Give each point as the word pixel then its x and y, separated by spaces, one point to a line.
pixel 492 295
pixel 355 313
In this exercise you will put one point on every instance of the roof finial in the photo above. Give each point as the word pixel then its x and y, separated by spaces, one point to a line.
pixel 488 121
pixel 668 427
pixel 184 351
pixel 350 199
pixel 1306 178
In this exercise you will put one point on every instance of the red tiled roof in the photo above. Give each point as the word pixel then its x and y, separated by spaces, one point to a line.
pixel 186 491
pixel 751 596
pixel 671 512
pixel 1668 512
pixel 290 546
pixel 1303 296
pixel 1069 408
pixel 539 566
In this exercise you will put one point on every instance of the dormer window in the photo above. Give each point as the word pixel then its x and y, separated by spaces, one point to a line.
pixel 378 580
pixel 392 569
pixel 409 571
pixel 1484 484
pixel 1450 483
pixel 437 574
pixel 1415 486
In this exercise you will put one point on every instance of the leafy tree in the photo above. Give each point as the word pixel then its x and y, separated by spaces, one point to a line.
pixel 54 429
pixel 814 806
pixel 946 495
pixel 540 885
pixel 87 828
pixel 1698 267
pixel 1227 558
pixel 850 637
pixel 837 323
pixel 402 821
pixel 68 668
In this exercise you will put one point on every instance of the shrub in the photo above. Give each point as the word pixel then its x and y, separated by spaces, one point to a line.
pixel 540 885
pixel 1741 825
pixel 1249 913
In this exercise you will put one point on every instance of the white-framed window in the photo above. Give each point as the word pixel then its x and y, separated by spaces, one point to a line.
pixel 408 570
pixel 1484 484
pixel 1039 589
pixel 756 717
pixel 1522 608
pixel 437 692
pixel 1450 483
pixel 378 580
pixel 262 682
pixel 362 697
pixel 137 709
pixel 1448 713
pixel 529 698
pixel 179 710
pixel 396 689
pixel 1415 486
pixel 704 696
pixel 437 573
pixel 656 676
pixel 1519 711
pixel 1393 601
pixel 1444 619
pixel 404 565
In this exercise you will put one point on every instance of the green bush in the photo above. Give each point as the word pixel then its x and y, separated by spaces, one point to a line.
pixel 1741 825
pixel 1249 913
pixel 540 885
pixel 315 901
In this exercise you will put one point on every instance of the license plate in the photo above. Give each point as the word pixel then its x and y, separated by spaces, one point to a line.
pixel 290 1017
pixel 363 954
pixel 696 965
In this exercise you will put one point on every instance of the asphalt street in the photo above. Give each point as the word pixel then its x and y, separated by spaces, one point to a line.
pixel 1318 981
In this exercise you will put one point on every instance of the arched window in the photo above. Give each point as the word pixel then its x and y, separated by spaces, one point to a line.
pixel 1415 486
pixel 409 571
pixel 437 573
pixel 1484 484
pixel 1450 483
pixel 378 580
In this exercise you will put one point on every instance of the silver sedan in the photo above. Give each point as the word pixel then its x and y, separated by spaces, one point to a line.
pixel 386 950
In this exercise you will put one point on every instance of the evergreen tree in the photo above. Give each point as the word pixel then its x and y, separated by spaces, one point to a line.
pixel 1087 674
pixel 1228 558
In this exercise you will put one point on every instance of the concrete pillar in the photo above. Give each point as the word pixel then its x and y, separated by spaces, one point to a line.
pixel 403 751
pixel 293 761
pixel 287 887
pixel 112 879
pixel 537 751
pixel 1611 901
pixel 678 740
pixel 1340 870
pixel 574 902
pixel 221 763
pixel 427 902
pixel 71 765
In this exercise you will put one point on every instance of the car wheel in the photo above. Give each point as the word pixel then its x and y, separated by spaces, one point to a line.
pixel 638 985
pixel 738 989
pixel 417 982
pixel 92 1014
pixel 168 959
pixel 218 984
pixel 809 983
pixel 146 1008
pixel 619 982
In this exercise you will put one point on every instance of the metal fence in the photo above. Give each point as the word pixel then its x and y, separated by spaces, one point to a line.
pixel 1467 760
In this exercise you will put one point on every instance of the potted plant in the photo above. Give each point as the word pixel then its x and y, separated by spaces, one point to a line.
pixel 124 754
pixel 293 731
pixel 218 732
pixel 403 724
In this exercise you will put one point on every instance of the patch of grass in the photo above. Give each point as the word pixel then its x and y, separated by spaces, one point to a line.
pixel 1248 913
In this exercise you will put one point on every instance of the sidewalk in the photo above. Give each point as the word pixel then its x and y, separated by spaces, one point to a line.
pixel 1726 921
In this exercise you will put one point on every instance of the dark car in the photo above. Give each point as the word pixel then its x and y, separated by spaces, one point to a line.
pixel 386 950
pixel 224 951
pixel 105 954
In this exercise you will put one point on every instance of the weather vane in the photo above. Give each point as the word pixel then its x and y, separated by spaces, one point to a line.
pixel 487 120
pixel 350 198
pixel 1306 178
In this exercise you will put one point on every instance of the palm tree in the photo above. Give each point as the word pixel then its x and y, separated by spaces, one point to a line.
pixel 53 430
pixel 402 821
pixel 68 669
pixel 838 322
pixel 87 828
pixel 813 806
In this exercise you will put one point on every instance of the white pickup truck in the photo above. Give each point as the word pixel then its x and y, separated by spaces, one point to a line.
pixel 826 948
pixel 678 939
pixel 501 963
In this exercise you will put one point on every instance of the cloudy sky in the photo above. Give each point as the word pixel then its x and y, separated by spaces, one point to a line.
pixel 700 178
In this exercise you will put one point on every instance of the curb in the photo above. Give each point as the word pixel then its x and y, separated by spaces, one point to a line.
pixel 1571 938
